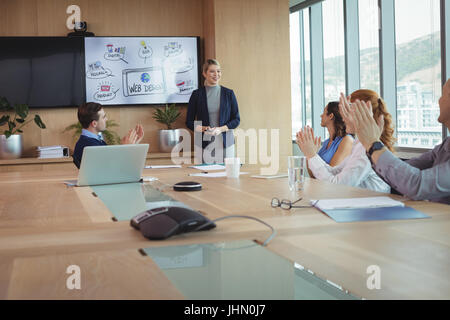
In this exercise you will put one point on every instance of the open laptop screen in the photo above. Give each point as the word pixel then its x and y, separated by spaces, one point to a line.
pixel 112 164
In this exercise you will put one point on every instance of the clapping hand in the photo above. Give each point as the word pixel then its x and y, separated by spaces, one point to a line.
pixel 345 109
pixel 367 129
pixel 130 138
pixel 134 136
pixel 139 132
pixel 307 143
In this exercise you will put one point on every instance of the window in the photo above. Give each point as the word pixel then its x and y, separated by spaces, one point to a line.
pixel 418 55
pixel 296 92
pixel 412 119
pixel 409 47
pixel 369 54
pixel 307 67
pixel 333 49
pixel 300 70
pixel 429 117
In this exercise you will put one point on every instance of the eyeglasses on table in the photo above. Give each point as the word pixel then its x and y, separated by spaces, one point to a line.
pixel 286 204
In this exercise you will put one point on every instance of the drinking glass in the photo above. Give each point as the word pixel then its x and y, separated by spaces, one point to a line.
pixel 296 172
pixel 232 167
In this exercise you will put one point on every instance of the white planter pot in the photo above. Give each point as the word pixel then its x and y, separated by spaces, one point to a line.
pixel 168 139
pixel 12 147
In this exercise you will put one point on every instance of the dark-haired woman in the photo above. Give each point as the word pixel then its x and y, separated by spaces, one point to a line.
pixel 356 170
pixel 339 146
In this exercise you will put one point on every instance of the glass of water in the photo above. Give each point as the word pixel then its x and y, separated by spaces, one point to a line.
pixel 296 172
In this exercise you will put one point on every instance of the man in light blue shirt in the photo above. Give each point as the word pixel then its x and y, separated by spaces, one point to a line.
pixel 426 177
pixel 87 133
pixel 93 119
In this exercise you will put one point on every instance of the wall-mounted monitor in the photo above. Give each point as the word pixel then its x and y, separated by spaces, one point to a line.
pixel 141 70
pixel 67 71
pixel 42 71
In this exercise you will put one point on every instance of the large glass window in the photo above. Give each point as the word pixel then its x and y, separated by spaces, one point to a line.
pixel 296 91
pixel 307 60
pixel 333 49
pixel 300 70
pixel 417 60
pixel 369 44
pixel 418 54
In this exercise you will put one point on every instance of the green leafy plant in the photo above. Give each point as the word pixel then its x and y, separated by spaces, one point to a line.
pixel 110 137
pixel 16 118
pixel 167 115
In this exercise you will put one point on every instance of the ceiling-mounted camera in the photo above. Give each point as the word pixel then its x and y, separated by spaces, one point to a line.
pixel 80 30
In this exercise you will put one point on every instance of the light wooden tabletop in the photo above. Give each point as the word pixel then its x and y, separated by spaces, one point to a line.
pixel 46 226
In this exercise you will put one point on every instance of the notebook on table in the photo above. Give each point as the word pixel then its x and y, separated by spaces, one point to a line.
pixel 366 209
pixel 102 165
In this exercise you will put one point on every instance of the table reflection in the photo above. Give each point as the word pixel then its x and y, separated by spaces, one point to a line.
pixel 239 270
pixel 126 200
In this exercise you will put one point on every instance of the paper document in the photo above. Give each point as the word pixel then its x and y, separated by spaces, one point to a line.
pixel 271 176
pixel 356 203
pixel 163 166
pixel 212 174
pixel 50 148
pixel 210 167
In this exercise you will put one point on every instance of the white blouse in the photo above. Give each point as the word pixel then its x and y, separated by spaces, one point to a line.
pixel 355 170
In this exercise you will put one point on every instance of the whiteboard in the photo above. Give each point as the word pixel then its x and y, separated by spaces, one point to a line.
pixel 140 70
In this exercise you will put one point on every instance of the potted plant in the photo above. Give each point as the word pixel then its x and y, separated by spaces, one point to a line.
pixel 15 118
pixel 110 137
pixel 168 138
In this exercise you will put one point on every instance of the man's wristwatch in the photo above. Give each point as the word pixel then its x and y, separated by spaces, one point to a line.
pixel 377 145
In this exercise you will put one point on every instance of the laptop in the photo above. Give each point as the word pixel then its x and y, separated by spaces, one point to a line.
pixel 112 164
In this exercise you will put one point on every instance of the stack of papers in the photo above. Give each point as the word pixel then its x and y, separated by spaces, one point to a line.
pixel 356 203
pixel 366 209
pixel 209 167
pixel 270 176
pixel 167 166
pixel 212 174
pixel 206 168
pixel 52 152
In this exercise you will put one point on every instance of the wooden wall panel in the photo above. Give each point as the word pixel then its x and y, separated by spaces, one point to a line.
pixel 104 18
pixel 18 18
pixel 209 29
pixel 252 45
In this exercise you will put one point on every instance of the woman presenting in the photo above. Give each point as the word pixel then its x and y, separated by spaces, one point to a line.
pixel 217 109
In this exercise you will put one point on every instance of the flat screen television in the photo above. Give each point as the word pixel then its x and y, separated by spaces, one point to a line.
pixel 42 71
pixel 141 70
pixel 48 72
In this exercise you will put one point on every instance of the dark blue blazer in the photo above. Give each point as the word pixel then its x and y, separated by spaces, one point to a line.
pixel 81 143
pixel 228 112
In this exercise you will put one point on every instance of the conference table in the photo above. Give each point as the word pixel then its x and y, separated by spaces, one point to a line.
pixel 47 227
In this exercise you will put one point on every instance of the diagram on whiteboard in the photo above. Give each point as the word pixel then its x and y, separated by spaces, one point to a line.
pixel 140 70
pixel 143 81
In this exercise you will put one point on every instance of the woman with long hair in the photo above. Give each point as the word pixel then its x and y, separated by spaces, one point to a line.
pixel 339 144
pixel 356 169
pixel 216 109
